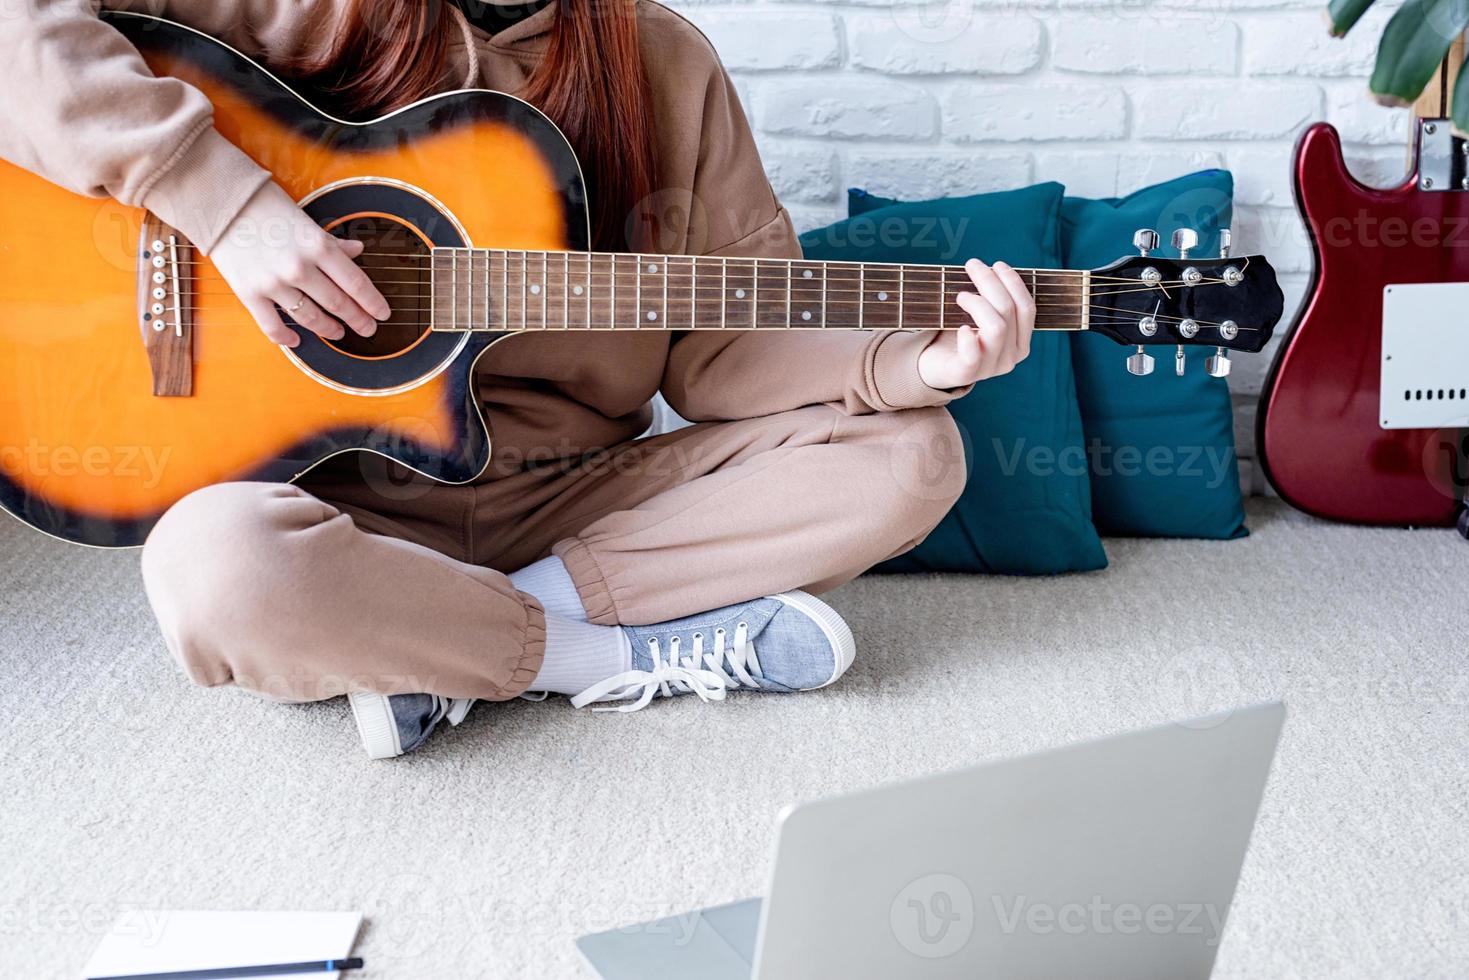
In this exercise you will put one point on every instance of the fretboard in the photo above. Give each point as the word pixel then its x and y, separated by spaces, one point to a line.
pixel 508 290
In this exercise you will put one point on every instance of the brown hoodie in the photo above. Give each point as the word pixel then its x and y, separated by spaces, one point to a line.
pixel 81 109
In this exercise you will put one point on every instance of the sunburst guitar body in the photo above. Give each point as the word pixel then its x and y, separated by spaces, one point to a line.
pixel 105 421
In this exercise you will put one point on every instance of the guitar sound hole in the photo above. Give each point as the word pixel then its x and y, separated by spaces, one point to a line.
pixel 396 259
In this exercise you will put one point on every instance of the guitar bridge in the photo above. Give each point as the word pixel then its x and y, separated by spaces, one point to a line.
pixel 166 305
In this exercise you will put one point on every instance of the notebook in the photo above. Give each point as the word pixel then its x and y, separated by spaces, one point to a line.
pixel 143 941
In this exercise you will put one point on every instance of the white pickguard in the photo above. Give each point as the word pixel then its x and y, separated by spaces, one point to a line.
pixel 1425 356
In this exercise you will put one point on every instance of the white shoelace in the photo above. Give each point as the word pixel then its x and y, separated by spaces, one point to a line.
pixel 700 673
pixel 451 709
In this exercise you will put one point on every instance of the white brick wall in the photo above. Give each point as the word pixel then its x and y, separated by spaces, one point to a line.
pixel 962 96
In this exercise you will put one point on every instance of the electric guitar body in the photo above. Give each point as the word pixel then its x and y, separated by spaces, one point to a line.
pixel 131 376
pixel 1322 426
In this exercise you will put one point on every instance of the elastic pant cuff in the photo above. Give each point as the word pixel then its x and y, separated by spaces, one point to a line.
pixel 533 652
pixel 591 585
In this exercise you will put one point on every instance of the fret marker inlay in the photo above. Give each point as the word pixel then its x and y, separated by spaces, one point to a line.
pixel 882 297
pixel 535 290
pixel 739 294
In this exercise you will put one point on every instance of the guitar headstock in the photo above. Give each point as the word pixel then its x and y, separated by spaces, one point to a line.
pixel 1227 303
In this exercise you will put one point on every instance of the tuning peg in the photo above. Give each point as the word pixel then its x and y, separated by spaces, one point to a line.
pixel 1218 365
pixel 1224 242
pixel 1184 239
pixel 1178 361
pixel 1141 363
pixel 1145 240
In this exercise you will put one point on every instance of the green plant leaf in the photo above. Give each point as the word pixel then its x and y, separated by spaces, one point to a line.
pixel 1460 110
pixel 1414 44
pixel 1344 14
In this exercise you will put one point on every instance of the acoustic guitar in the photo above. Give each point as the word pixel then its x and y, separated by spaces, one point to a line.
pixel 130 376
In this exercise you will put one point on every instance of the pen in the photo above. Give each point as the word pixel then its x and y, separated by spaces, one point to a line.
pixel 229 972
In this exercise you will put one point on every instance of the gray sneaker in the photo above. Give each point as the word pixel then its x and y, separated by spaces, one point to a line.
pixel 392 724
pixel 781 643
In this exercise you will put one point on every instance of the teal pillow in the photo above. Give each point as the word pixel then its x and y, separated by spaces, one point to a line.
pixel 1160 448
pixel 1027 507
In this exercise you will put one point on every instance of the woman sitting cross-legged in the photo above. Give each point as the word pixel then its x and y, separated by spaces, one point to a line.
pixel 586 561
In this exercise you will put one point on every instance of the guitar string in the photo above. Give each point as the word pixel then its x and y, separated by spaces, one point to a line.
pixel 1105 315
pixel 694 295
pixel 706 305
pixel 491 289
pixel 1043 278
pixel 942 273
pixel 1055 278
pixel 812 285
pixel 618 278
pixel 928 310
pixel 573 309
pixel 763 268
pixel 551 257
pixel 614 258
pixel 927 305
pixel 874 269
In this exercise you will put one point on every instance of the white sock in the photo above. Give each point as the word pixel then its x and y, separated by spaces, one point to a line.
pixel 551 584
pixel 579 655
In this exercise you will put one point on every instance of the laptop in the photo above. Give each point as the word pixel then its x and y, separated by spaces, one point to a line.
pixel 1111 859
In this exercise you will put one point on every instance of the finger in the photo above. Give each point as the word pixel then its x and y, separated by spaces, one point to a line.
pixel 991 328
pixel 354 282
pixel 350 247
pixel 967 346
pixel 1024 306
pixel 991 288
pixel 271 324
pixel 987 281
pixel 303 309
pixel 330 297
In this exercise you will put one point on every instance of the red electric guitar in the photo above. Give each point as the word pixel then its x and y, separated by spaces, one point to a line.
pixel 1364 414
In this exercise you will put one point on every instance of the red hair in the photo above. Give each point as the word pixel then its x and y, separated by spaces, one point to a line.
pixel 590 81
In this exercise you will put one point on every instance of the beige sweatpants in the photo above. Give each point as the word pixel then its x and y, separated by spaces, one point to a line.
pixel 381 584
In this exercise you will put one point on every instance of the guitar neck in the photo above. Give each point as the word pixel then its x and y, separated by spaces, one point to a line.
pixel 509 290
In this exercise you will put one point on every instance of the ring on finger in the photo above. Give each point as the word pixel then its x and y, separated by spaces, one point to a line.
pixel 299 304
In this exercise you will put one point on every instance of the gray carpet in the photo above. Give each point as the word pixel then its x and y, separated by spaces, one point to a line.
pixel 531 824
